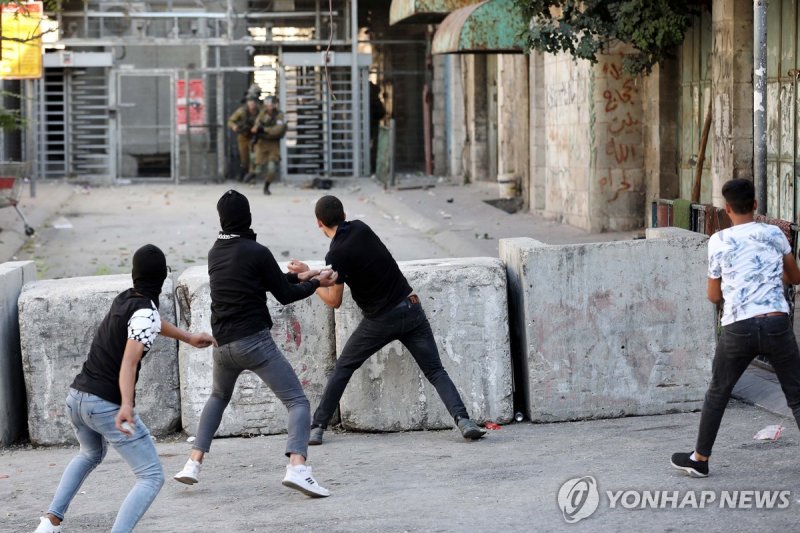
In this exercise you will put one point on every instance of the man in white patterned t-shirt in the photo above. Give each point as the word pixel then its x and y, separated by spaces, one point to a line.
pixel 748 265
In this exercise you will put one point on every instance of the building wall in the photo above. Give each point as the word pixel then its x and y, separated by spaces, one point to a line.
pixel 568 132
pixel 513 125
pixel 732 90
pixel 603 144
pixel 616 184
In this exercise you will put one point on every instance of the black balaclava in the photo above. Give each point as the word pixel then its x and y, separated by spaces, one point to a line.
pixel 149 271
pixel 234 214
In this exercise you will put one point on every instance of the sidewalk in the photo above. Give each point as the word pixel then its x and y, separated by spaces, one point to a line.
pixel 51 197
pixel 433 481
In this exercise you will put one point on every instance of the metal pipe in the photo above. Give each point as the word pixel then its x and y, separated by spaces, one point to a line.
pixel 760 103
pixel 355 89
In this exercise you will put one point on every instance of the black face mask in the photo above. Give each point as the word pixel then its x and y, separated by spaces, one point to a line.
pixel 149 271
pixel 234 213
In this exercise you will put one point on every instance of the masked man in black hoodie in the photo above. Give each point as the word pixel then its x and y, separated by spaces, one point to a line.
pixel 241 272
pixel 100 403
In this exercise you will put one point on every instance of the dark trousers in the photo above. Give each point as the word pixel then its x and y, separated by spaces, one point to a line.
pixel 772 337
pixel 408 324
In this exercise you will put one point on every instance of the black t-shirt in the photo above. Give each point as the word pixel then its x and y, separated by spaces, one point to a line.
pixel 365 264
pixel 132 316
pixel 241 271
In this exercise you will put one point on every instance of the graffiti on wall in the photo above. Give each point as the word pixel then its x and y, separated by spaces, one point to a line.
pixel 620 112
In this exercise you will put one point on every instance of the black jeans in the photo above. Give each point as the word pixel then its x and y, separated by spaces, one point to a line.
pixel 408 324
pixel 772 337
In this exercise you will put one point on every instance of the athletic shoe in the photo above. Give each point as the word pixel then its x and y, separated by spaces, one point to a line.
pixel 266 188
pixel 683 461
pixel 45 526
pixel 316 436
pixel 469 429
pixel 190 473
pixel 298 477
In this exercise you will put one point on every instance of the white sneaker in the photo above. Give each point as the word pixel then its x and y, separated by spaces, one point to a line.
pixel 190 473
pixel 298 477
pixel 45 526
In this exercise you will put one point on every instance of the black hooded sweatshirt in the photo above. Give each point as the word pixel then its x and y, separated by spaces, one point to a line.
pixel 133 315
pixel 241 272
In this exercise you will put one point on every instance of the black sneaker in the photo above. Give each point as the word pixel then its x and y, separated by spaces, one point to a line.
pixel 683 461
pixel 315 439
pixel 266 188
pixel 469 429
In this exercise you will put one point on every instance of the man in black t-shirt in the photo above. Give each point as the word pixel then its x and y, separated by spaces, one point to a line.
pixel 391 312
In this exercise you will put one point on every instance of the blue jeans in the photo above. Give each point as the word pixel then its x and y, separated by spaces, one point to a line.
pixel 259 354
pixel 93 419
pixel 408 324
pixel 770 336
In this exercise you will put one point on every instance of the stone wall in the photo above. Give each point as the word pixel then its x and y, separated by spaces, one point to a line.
pixel 58 320
pixel 466 303
pixel 302 330
pixel 12 389
pixel 732 91
pixel 611 329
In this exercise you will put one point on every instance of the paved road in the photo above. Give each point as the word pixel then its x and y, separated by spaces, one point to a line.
pixel 434 481
pixel 423 481
pixel 94 231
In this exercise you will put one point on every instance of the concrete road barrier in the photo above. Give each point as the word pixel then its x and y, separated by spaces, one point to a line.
pixel 466 303
pixel 304 333
pixel 58 320
pixel 13 421
pixel 611 329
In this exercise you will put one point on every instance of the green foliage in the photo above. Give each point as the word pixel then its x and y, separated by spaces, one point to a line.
pixel 585 28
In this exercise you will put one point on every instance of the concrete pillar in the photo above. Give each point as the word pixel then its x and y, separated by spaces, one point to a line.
pixel 513 126
pixel 661 90
pixel 732 91
pixel 12 384
pixel 538 133
pixel 438 117
pixel 455 110
pixel 568 134
pixel 477 118
pixel 617 184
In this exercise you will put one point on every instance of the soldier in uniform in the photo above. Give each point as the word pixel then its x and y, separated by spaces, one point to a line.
pixel 241 122
pixel 269 129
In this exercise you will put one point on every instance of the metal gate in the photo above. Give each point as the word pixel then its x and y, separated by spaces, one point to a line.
pixel 145 132
pixel 322 114
pixel 783 19
pixel 72 114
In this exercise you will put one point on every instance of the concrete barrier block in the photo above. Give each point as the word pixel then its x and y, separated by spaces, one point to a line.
pixel 611 329
pixel 466 304
pixel 302 330
pixel 13 276
pixel 58 320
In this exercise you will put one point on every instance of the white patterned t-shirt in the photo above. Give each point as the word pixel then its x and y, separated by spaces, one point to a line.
pixel 749 259
pixel 144 326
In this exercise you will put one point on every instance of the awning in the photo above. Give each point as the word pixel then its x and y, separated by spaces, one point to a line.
pixel 492 26
pixel 424 11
